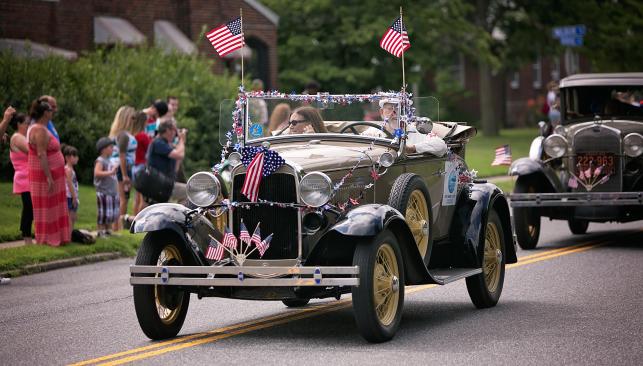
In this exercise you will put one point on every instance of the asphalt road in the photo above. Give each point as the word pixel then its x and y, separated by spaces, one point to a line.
pixel 574 300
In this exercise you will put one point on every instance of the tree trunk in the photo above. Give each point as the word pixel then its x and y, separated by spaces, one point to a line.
pixel 488 114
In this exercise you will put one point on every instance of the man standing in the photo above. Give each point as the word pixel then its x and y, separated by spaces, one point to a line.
pixel 172 105
pixel 163 156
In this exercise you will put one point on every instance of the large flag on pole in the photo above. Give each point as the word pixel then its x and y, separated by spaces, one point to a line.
pixel 396 40
pixel 227 37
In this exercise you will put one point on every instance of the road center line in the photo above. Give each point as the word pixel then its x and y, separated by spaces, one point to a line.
pixel 278 319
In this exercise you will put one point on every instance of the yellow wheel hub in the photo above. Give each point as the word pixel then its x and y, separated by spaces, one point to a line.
pixel 386 284
pixel 417 217
pixel 491 266
pixel 169 254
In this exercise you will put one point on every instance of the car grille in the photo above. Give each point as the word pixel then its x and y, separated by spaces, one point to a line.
pixel 600 141
pixel 281 222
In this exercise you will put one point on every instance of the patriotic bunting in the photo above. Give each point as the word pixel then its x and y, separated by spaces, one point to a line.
pixel 260 162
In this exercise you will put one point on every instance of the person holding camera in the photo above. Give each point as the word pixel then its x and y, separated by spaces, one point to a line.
pixel 163 156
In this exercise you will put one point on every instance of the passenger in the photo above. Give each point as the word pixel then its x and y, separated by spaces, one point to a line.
pixel 306 120
pixel 279 118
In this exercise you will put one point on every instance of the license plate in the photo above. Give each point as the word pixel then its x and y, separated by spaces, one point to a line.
pixel 593 161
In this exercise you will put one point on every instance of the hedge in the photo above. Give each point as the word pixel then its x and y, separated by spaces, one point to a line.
pixel 91 89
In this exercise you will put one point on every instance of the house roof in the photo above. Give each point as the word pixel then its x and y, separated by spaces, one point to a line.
pixel 170 38
pixel 630 78
pixel 109 30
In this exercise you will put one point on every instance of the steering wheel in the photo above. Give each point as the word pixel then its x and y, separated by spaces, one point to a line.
pixel 370 124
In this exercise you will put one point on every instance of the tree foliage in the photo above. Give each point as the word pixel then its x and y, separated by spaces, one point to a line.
pixel 91 89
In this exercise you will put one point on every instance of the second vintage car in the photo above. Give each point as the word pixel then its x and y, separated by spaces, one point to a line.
pixel 345 194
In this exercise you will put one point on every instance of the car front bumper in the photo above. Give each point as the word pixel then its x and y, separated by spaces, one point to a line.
pixel 576 199
pixel 244 276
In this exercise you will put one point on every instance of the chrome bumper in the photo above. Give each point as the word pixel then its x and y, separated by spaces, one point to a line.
pixel 576 199
pixel 245 276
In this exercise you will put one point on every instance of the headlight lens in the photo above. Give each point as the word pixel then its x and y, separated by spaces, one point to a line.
pixel 315 189
pixel 234 159
pixel 633 144
pixel 203 189
pixel 555 146
pixel 386 160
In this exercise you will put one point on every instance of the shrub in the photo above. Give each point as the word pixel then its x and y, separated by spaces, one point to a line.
pixel 91 89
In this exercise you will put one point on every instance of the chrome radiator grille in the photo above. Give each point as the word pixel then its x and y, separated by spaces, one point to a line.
pixel 281 222
pixel 599 140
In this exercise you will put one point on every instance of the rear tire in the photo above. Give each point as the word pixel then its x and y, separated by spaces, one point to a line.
pixel 526 219
pixel 161 310
pixel 578 227
pixel 485 288
pixel 295 303
pixel 379 299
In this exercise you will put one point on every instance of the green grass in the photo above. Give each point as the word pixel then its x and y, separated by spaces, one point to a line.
pixel 19 257
pixel 12 207
pixel 481 149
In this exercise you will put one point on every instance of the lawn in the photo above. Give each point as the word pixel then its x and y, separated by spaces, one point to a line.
pixel 481 149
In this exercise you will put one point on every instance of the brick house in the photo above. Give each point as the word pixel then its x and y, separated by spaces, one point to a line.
pixel 66 27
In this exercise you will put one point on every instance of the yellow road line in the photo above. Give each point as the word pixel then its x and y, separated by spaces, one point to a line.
pixel 270 321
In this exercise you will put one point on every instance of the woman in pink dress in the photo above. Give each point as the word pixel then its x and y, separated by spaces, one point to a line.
pixel 47 179
pixel 18 153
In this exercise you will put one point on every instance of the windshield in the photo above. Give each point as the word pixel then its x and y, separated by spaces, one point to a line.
pixel 367 116
pixel 606 102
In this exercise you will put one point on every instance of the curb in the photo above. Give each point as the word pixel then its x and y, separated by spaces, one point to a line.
pixel 62 263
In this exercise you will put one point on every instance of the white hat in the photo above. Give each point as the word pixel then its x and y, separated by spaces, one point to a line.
pixel 388 101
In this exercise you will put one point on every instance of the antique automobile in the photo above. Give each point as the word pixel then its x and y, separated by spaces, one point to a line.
pixel 590 168
pixel 325 206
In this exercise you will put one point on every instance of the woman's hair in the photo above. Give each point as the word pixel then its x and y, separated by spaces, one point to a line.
pixel 16 119
pixel 312 115
pixel 122 121
pixel 279 115
pixel 39 107
pixel 68 150
pixel 139 122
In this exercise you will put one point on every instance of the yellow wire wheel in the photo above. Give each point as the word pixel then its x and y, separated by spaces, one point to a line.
pixel 417 217
pixel 167 309
pixel 386 284
pixel 492 257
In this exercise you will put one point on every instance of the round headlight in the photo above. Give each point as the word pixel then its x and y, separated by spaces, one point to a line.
pixel 234 159
pixel 203 189
pixel 633 144
pixel 555 146
pixel 560 130
pixel 386 160
pixel 315 189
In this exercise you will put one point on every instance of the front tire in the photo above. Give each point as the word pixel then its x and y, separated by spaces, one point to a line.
pixel 485 288
pixel 578 227
pixel 379 299
pixel 526 219
pixel 161 310
pixel 295 303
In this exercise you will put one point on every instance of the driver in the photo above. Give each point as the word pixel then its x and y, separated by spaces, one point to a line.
pixel 430 143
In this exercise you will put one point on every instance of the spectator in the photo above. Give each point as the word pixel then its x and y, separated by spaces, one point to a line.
pixel 19 155
pixel 553 103
pixel 50 124
pixel 172 105
pixel 279 118
pixel 143 142
pixel 71 159
pixel 6 119
pixel 163 157
pixel 47 179
pixel 155 113
pixel 106 185
pixel 312 88
pixel 125 153
pixel 257 107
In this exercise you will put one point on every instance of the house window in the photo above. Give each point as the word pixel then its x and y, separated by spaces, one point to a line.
pixel 515 80
pixel 537 71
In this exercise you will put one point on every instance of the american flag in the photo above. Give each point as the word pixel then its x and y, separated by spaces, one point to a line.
pixel 256 236
pixel 243 235
pixel 263 245
pixel 227 37
pixel 229 240
pixel 260 162
pixel 215 250
pixel 503 156
pixel 396 39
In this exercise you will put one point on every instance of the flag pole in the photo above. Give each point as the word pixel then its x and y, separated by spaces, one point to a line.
pixel 244 42
pixel 403 74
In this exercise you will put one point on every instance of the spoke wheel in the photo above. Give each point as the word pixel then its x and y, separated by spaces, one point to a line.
pixel 485 288
pixel 410 196
pixel 379 298
pixel 161 309
pixel 526 219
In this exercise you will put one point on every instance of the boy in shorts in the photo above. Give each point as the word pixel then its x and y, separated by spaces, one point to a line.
pixel 106 187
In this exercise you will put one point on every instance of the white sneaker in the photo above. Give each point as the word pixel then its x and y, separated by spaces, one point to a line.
pixel 5 280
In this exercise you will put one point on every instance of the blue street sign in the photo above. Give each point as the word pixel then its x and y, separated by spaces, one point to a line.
pixel 569 31
pixel 571 41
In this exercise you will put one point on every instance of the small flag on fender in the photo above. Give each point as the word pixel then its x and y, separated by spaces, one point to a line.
pixel 503 156
pixel 215 250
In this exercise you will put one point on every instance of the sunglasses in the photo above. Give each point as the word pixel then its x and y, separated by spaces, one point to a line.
pixel 294 122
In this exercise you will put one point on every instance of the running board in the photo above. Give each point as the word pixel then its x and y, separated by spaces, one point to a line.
pixel 447 275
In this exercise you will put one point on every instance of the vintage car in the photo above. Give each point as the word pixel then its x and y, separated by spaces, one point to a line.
pixel 346 206
pixel 590 168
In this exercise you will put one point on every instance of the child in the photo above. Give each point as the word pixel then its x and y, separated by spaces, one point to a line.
pixel 106 187
pixel 71 158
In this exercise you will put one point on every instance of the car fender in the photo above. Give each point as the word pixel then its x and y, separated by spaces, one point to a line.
pixel 468 226
pixel 193 230
pixel 369 220
pixel 528 166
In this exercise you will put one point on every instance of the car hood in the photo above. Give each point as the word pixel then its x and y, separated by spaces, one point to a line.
pixel 625 126
pixel 329 155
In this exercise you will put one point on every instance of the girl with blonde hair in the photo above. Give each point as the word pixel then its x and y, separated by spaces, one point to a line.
pixel 124 155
